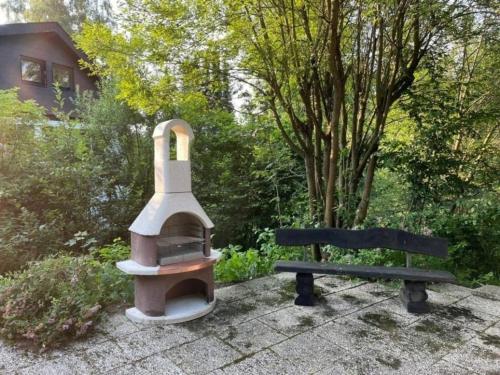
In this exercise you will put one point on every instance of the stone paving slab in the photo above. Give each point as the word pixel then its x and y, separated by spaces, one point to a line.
pixel 488 291
pixel 250 337
pixel 309 352
pixel 451 289
pixel 204 355
pixel 357 327
pixel 264 362
pixel 483 305
pixel 155 364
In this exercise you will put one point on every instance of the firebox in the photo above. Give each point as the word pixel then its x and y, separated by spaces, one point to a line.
pixel 171 259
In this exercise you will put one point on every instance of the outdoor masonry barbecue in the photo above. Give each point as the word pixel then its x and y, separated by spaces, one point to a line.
pixel 172 259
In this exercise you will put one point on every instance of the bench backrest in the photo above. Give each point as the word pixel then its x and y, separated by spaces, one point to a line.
pixel 365 239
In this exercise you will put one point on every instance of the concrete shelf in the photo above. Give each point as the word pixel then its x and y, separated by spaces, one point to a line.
pixel 133 268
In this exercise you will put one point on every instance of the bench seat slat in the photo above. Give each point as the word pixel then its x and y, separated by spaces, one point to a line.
pixel 401 273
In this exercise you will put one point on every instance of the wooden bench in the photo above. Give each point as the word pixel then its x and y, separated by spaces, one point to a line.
pixel 413 294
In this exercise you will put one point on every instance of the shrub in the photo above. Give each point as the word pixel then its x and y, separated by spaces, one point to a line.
pixel 92 175
pixel 239 265
pixel 24 238
pixel 62 297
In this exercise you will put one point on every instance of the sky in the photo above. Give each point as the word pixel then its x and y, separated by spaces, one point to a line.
pixel 4 19
pixel 3 15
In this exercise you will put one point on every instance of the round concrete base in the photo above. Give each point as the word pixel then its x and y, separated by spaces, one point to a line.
pixel 177 310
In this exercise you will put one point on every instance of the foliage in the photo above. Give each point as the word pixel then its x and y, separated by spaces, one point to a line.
pixel 226 157
pixel 88 176
pixel 472 231
pixel 330 77
pixel 165 35
pixel 443 169
pixel 93 176
pixel 242 176
pixel 23 235
pixel 474 235
pixel 110 254
pixel 61 297
pixel 24 238
pixel 120 150
pixel 70 14
pixel 348 106
pixel 237 265
pixel 40 185
pixel 12 111
pixel 328 74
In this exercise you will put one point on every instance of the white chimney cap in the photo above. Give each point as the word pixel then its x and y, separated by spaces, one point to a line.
pixel 178 126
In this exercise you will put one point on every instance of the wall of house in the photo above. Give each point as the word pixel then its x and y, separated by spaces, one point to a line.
pixel 44 46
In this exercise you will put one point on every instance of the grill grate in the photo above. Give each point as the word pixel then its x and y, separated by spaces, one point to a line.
pixel 175 249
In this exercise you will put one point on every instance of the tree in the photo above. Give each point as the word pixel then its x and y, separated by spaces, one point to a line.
pixel 447 158
pixel 330 72
pixel 454 109
pixel 120 147
pixel 164 56
pixel 71 14
pixel 166 66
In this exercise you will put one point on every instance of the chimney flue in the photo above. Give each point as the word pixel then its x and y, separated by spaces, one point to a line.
pixel 172 176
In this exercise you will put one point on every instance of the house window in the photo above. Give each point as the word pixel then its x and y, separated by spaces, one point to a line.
pixel 33 71
pixel 62 76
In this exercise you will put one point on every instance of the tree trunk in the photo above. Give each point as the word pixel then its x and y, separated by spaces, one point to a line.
pixel 313 200
pixel 365 199
pixel 333 163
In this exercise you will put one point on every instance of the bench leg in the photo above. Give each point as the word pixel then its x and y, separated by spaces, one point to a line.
pixel 305 289
pixel 414 297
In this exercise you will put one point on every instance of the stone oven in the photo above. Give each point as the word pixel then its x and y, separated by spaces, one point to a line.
pixel 172 259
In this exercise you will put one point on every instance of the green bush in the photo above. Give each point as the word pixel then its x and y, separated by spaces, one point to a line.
pixel 88 176
pixel 24 238
pixel 470 223
pixel 62 297
pixel 238 265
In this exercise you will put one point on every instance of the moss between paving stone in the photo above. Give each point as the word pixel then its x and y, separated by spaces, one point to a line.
pixel 247 344
pixel 329 284
pixel 488 354
pixel 352 299
pixel 306 321
pixel 326 308
pixel 436 346
pixel 391 362
pixel 231 333
pixel 327 311
pixel 491 340
pixel 454 312
pixel 381 293
pixel 238 360
pixel 441 336
pixel 380 320
pixel 363 333
pixel 428 326
pixel 235 309
pixel 285 293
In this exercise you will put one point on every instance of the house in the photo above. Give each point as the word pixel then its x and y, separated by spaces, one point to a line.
pixel 35 57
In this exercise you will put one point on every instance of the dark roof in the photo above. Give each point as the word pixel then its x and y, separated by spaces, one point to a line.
pixel 41 28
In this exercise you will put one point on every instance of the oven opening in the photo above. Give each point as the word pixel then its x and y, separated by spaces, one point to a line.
pixel 181 239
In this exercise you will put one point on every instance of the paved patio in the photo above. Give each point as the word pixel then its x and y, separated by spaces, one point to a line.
pixel 358 328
